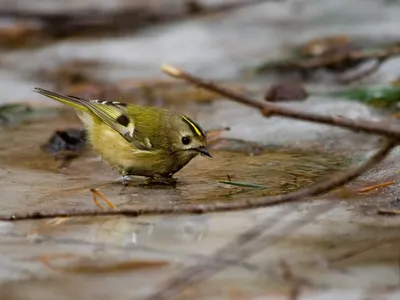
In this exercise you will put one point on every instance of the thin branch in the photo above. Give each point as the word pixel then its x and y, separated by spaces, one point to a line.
pixel 375 186
pixel 313 190
pixel 270 109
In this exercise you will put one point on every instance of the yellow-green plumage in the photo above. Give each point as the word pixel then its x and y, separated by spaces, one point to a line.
pixel 137 140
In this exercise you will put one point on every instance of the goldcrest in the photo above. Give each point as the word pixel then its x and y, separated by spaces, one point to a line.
pixel 137 140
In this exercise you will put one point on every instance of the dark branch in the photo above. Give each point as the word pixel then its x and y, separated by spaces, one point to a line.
pixel 270 109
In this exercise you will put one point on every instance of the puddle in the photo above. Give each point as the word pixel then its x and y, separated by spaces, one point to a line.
pixel 281 171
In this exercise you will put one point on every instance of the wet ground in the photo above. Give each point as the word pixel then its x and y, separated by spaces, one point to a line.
pixel 337 246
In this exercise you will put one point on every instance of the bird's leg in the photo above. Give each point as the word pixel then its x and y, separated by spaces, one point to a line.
pixel 125 178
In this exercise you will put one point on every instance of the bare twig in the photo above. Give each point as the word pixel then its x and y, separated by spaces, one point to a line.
pixel 96 193
pixel 313 190
pixel 375 186
pixel 270 109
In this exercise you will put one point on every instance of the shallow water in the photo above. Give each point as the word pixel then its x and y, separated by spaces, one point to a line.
pixel 36 175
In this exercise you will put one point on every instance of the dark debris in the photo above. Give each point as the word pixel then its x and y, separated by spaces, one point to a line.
pixel 70 140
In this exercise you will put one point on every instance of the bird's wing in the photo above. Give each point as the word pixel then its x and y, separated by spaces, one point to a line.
pixel 112 113
pixel 115 115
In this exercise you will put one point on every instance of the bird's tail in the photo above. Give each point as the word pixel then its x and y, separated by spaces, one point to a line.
pixel 77 103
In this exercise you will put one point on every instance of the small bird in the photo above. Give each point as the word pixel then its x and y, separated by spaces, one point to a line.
pixel 137 140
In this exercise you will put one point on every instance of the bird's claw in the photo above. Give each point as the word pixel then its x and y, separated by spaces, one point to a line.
pixel 125 179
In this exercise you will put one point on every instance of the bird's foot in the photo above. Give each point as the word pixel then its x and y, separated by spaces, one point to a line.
pixel 160 180
pixel 125 179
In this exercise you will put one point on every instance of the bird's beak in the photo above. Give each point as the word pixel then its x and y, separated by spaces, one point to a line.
pixel 204 151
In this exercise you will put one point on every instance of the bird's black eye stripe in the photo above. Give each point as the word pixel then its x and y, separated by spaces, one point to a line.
pixel 186 140
pixel 123 120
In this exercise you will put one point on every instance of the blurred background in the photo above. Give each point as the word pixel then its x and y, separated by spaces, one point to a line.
pixel 334 57
pixel 65 44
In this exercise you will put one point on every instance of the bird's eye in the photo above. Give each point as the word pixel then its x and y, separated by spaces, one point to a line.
pixel 186 140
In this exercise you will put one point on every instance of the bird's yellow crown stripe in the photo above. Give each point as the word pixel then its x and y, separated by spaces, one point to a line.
pixel 195 128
